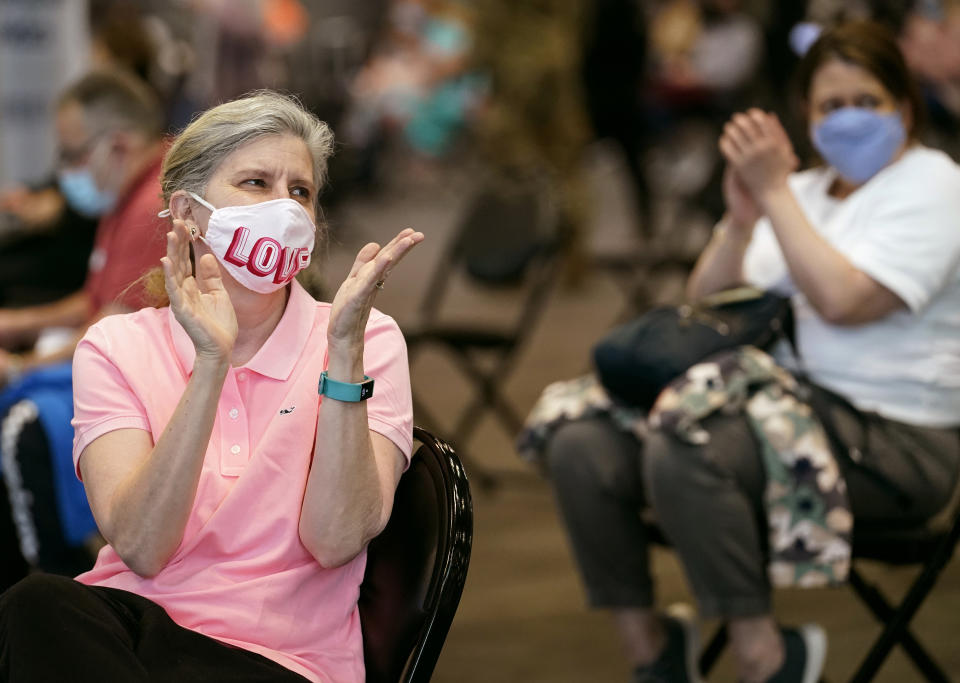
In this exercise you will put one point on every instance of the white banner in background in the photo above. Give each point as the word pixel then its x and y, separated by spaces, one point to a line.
pixel 44 45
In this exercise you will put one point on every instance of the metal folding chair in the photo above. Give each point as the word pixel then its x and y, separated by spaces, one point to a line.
pixel 930 546
pixel 508 239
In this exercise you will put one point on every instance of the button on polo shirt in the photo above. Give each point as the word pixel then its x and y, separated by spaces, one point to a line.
pixel 231 426
pixel 240 574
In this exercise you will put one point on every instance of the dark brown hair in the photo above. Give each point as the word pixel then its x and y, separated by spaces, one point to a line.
pixel 872 47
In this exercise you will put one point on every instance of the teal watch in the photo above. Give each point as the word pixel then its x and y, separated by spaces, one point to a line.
pixel 345 391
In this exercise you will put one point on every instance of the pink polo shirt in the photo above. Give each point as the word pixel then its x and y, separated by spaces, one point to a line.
pixel 241 575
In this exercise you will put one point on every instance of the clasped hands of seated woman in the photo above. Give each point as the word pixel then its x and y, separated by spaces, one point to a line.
pixel 202 306
pixel 759 159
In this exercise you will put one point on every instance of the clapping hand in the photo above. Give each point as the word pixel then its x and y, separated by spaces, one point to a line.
pixel 199 302
pixel 352 303
pixel 758 151
pixel 742 209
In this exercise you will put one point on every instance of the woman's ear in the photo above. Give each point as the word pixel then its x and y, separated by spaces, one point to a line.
pixel 182 208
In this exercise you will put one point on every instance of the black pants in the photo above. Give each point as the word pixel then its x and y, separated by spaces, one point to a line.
pixel 56 629
pixel 708 500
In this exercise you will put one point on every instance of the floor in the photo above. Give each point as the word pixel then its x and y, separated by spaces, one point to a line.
pixel 522 616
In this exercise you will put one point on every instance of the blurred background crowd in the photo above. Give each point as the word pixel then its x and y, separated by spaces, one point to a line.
pixel 450 115
pixel 522 86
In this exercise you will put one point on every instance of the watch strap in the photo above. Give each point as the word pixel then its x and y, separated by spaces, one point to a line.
pixel 345 391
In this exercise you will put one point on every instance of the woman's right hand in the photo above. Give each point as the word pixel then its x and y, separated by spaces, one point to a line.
pixel 199 302
pixel 742 209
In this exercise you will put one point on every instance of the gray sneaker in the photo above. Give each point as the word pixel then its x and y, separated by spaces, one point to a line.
pixel 678 661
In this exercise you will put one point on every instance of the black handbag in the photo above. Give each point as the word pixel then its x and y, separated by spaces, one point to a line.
pixel 636 360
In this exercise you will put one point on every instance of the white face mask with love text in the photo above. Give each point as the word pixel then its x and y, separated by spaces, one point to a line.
pixel 262 246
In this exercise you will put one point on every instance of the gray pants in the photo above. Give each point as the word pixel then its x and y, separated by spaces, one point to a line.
pixel 708 501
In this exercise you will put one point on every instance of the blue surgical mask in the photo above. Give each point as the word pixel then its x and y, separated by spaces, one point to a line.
pixel 859 142
pixel 82 193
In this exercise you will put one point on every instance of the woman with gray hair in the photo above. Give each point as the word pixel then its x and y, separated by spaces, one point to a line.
pixel 236 502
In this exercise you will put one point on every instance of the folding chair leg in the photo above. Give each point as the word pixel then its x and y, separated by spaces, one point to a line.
pixel 507 414
pixel 482 476
pixel 489 393
pixel 897 627
pixel 469 420
pixel 711 653
pixel 489 398
pixel 461 433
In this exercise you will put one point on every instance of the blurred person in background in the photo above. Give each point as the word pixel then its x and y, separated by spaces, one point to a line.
pixel 930 40
pixel 38 227
pixel 867 246
pixel 237 503
pixel 109 129
pixel 533 126
pixel 417 83
pixel 614 65
pixel 703 52
pixel 109 139
pixel 242 45
pixel 126 35
pixel 119 38
pixel 703 59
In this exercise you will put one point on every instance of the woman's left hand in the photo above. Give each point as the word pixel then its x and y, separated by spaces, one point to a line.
pixel 756 146
pixel 354 299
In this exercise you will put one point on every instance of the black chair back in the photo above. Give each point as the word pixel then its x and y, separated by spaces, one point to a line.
pixel 417 567
pixel 509 237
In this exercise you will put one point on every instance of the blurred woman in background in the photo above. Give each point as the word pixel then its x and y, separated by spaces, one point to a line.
pixel 867 246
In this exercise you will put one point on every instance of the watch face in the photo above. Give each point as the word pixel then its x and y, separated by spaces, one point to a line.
pixel 366 390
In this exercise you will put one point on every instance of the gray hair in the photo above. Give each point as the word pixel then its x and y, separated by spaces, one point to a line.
pixel 115 100
pixel 199 150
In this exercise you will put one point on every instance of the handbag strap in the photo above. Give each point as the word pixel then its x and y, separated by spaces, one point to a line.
pixel 729 296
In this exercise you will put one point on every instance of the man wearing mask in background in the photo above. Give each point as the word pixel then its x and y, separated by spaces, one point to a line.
pixel 109 129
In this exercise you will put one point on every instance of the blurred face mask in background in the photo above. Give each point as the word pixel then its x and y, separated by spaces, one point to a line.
pixel 262 245
pixel 859 142
pixel 82 193
pixel 78 186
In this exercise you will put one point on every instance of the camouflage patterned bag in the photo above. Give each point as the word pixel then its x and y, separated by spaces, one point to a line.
pixel 808 512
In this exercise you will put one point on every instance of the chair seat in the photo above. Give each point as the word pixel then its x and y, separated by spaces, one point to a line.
pixel 880 543
pixel 906 543
pixel 895 546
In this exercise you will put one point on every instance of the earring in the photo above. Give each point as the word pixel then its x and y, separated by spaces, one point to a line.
pixel 193 232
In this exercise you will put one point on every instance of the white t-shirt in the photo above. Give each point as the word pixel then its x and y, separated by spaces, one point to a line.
pixel 902 228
